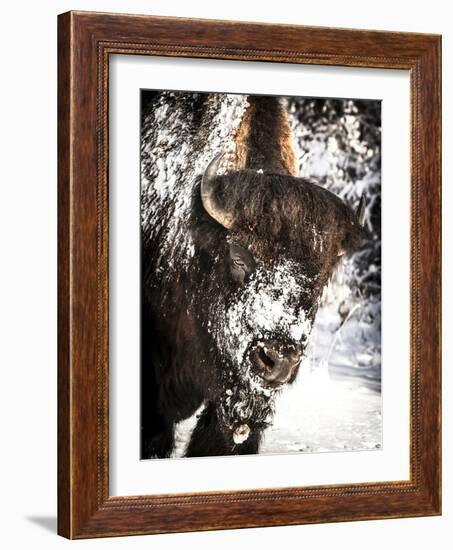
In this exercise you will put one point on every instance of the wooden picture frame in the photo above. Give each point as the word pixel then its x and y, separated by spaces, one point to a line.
pixel 85 42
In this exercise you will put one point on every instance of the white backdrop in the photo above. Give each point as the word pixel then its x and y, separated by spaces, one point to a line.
pixel 128 475
pixel 28 275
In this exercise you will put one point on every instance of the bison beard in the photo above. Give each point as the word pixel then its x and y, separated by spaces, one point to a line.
pixel 226 322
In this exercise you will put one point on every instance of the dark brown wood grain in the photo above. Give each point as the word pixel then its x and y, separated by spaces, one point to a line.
pixel 64 390
pixel 85 42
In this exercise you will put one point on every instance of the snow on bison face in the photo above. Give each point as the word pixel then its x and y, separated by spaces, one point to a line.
pixel 268 244
pixel 262 324
pixel 263 329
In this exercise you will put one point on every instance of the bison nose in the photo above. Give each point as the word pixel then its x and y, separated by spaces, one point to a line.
pixel 275 363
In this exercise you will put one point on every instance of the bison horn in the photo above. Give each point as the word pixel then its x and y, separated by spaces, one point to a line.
pixel 360 213
pixel 208 198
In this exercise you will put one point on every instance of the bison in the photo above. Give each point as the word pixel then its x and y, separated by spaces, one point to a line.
pixel 227 309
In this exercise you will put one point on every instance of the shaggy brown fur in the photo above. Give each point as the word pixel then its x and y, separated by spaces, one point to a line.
pixel 278 215
pixel 264 140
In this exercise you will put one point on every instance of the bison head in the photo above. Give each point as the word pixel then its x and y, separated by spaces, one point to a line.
pixel 266 245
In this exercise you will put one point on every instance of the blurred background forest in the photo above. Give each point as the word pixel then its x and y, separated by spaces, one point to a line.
pixel 339 145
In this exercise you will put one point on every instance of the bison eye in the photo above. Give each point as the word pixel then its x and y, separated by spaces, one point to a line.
pixel 238 264
pixel 241 263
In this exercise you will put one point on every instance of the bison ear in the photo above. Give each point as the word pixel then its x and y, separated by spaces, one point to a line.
pixel 208 195
pixel 360 216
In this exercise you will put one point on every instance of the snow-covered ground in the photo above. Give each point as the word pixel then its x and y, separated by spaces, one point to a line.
pixel 335 403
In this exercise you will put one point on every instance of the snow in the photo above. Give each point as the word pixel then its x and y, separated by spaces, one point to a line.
pixel 169 169
pixel 324 415
pixel 263 307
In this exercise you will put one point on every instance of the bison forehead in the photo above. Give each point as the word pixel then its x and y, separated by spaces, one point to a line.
pixel 271 297
pixel 269 304
pixel 277 209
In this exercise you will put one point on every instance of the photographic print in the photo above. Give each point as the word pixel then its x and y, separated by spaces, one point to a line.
pixel 221 207
pixel 260 274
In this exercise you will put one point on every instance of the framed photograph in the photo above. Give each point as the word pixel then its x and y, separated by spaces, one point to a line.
pixel 249 275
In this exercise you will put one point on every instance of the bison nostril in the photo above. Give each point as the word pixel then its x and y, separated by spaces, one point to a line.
pixel 275 363
pixel 265 358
